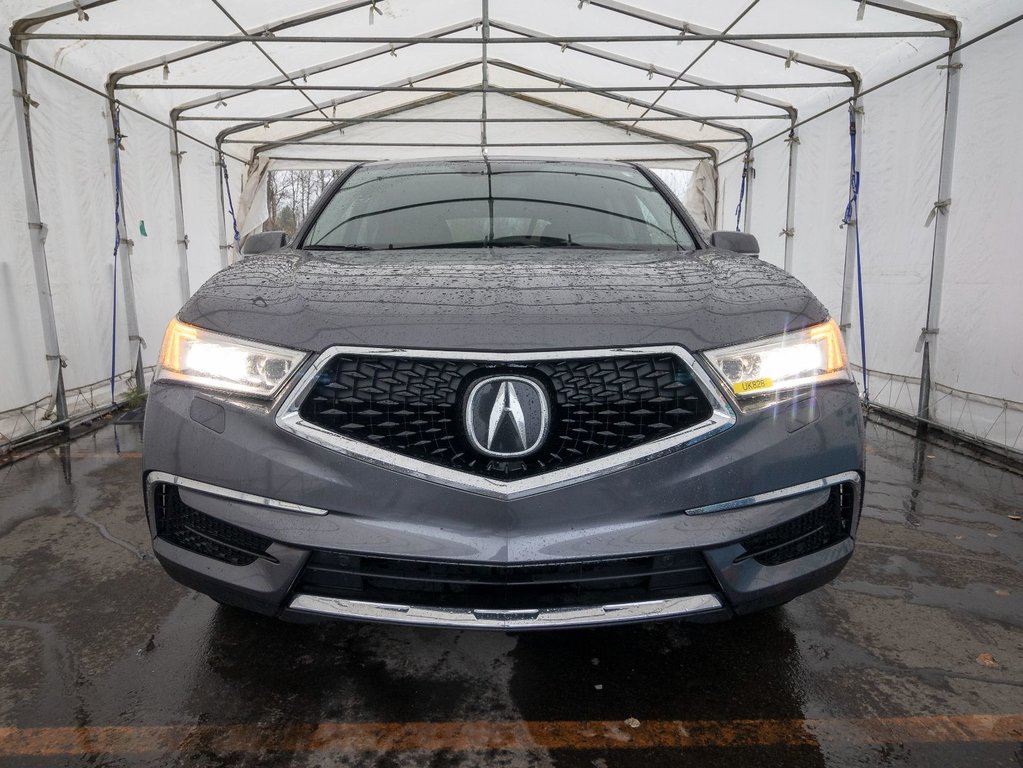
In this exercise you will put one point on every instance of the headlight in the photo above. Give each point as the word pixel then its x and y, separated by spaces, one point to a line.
pixel 813 355
pixel 210 359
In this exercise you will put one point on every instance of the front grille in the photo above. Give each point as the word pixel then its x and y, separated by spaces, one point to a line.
pixel 505 587
pixel 195 531
pixel 414 407
pixel 822 527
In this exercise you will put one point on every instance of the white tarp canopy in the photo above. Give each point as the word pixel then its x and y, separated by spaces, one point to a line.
pixel 167 117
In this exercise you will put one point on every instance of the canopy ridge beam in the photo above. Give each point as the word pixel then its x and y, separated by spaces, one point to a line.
pixel 227 132
pixel 199 50
pixel 505 145
pixel 686 28
pixel 707 50
pixel 691 82
pixel 665 112
pixel 722 126
pixel 557 39
pixel 960 46
pixel 659 137
pixel 15 51
pixel 22 28
pixel 703 146
pixel 257 121
pixel 267 56
pixel 709 86
pixel 317 69
pixel 947 22
pixel 301 138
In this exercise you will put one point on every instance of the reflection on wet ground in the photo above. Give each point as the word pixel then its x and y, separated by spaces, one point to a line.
pixel 914 656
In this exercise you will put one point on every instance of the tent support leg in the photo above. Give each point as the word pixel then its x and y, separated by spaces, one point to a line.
pixel 929 333
pixel 131 317
pixel 486 75
pixel 790 199
pixel 179 209
pixel 225 249
pixel 849 271
pixel 37 238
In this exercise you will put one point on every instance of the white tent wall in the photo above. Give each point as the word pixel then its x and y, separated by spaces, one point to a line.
pixel 979 346
pixel 821 194
pixel 21 334
pixel 232 195
pixel 767 216
pixel 200 193
pixel 899 161
pixel 76 199
pixel 729 186
pixel 146 176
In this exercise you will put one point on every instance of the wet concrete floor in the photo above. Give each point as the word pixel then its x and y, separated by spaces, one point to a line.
pixel 914 656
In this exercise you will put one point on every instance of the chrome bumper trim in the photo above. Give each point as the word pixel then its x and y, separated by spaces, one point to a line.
pixel 497 619
pixel 289 419
pixel 227 493
pixel 781 493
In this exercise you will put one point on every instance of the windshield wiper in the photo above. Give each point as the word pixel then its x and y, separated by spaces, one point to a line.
pixel 531 241
pixel 324 247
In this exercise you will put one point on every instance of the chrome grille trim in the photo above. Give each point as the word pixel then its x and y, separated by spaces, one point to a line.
pixel 480 618
pixel 290 420
pixel 781 493
pixel 227 493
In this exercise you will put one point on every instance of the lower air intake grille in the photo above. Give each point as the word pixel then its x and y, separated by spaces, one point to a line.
pixel 413 407
pixel 190 529
pixel 823 527
pixel 505 587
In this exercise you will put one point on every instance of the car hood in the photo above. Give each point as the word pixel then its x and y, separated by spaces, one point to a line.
pixel 502 299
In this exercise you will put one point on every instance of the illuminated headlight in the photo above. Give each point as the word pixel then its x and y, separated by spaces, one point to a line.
pixel 209 359
pixel 802 358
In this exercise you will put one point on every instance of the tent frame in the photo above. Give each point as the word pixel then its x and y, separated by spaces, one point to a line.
pixel 24 30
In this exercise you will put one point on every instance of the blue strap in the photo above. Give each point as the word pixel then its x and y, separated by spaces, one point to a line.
pixel 117 243
pixel 742 193
pixel 852 217
pixel 230 205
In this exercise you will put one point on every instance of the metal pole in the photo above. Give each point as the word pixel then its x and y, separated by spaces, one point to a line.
pixel 320 40
pixel 486 75
pixel 455 144
pixel 929 334
pixel 37 239
pixel 225 249
pixel 258 120
pixel 726 87
pixel 789 232
pixel 124 254
pixel 179 209
pixel 849 270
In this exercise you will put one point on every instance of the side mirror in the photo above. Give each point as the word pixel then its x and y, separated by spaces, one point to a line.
pixel 739 242
pixel 264 242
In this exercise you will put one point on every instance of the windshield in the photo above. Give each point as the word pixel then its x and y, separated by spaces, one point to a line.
pixel 460 204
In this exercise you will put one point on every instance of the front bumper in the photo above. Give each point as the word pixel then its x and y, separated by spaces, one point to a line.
pixel 227 460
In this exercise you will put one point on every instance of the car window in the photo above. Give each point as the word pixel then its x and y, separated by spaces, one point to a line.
pixel 500 203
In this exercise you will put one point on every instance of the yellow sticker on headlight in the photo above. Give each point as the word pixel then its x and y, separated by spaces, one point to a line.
pixel 752 385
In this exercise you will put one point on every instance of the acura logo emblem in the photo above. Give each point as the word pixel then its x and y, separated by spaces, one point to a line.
pixel 507 416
